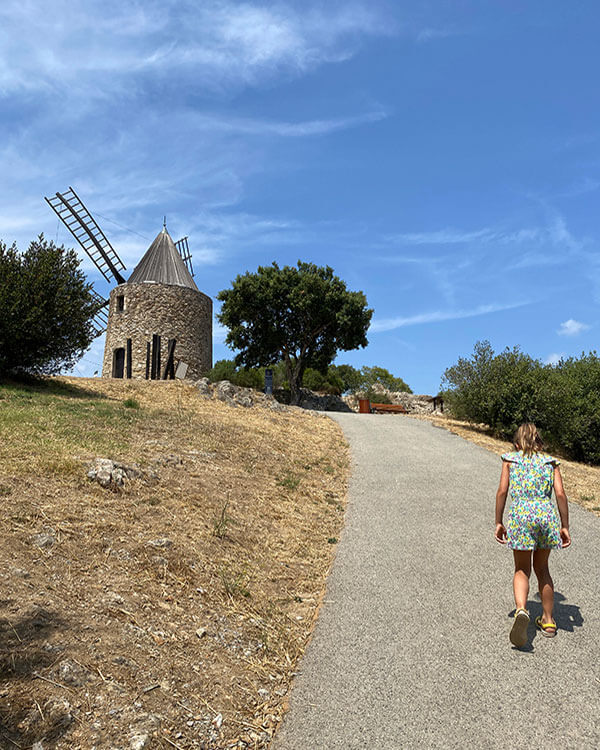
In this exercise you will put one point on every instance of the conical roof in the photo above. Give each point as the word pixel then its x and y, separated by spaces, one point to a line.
pixel 163 264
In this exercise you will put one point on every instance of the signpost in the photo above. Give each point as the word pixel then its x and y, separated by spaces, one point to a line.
pixel 269 381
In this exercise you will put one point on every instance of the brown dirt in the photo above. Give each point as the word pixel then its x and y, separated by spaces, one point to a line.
pixel 112 636
pixel 582 482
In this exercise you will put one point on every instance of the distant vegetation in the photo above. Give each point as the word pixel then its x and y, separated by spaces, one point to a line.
pixel 503 390
pixel 46 309
pixel 367 382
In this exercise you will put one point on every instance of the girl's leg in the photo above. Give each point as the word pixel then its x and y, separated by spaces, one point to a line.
pixel 540 565
pixel 521 577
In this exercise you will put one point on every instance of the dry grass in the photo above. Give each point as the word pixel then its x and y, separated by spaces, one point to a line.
pixel 106 635
pixel 582 482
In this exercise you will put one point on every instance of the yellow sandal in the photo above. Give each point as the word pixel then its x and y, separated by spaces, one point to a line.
pixel 545 626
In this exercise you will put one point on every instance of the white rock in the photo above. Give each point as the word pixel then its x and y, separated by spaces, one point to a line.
pixel 218 721
pixel 139 741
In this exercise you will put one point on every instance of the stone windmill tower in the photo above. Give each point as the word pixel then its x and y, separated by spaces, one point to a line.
pixel 158 322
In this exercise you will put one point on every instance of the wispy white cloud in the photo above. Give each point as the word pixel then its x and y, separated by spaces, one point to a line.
pixel 219 332
pixel 214 44
pixel 286 129
pixel 438 316
pixel 581 187
pixel 554 358
pixel 447 236
pixel 572 328
pixel 429 33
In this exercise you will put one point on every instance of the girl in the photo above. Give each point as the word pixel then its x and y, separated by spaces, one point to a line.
pixel 532 525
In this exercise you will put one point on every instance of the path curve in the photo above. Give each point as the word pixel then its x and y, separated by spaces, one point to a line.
pixel 411 647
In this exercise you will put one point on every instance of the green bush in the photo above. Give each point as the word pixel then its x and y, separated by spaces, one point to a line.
pixel 226 369
pixel 329 382
pixel 504 390
pixel 350 378
pixel 380 376
pixel 46 309
pixel 337 379
pixel 375 396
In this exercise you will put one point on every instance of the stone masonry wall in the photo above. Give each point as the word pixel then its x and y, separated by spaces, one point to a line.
pixel 170 311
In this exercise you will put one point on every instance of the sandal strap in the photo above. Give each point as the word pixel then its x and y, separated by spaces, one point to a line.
pixel 546 625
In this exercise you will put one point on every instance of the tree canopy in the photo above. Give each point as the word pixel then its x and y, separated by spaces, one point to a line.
pixel 300 315
pixel 46 309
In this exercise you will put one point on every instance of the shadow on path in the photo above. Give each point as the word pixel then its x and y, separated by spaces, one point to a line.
pixel 567 617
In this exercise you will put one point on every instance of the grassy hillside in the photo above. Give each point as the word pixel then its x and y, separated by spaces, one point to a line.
pixel 170 612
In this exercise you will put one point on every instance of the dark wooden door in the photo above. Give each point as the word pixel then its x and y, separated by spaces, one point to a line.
pixel 118 362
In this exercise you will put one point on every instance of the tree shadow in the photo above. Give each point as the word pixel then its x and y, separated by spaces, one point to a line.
pixel 25 652
pixel 26 383
pixel 567 617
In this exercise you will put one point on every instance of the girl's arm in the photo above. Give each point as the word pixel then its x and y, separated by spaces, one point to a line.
pixel 501 494
pixel 563 507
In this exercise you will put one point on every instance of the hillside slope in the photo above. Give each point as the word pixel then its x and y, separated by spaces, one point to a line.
pixel 169 612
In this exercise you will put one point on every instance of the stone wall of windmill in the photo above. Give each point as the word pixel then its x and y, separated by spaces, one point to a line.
pixel 139 312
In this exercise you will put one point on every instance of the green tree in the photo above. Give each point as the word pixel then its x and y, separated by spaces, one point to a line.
pixel 350 377
pixel 299 315
pixel 372 376
pixel 46 309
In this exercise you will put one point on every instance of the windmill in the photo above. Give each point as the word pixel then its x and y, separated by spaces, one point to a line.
pixel 159 301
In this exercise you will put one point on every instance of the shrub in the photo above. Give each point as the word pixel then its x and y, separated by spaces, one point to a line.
pixel 372 376
pixel 46 309
pixel 376 396
pixel 504 390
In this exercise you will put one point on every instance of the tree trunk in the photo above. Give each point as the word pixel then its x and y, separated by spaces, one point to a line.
pixel 293 373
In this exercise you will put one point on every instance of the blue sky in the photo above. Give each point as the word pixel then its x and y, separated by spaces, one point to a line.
pixel 443 156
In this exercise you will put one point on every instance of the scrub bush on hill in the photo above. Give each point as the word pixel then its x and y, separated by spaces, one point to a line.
pixel 506 389
pixel 337 380
pixel 501 390
pixel 573 417
pixel 46 309
pixel 372 376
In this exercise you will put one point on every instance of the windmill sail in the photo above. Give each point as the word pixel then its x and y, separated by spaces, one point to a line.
pixel 100 319
pixel 184 250
pixel 78 220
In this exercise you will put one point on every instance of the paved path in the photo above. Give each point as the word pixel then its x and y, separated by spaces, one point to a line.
pixel 411 647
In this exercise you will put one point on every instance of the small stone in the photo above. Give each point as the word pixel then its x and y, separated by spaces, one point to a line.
pixel 37 746
pixel 139 741
pixel 201 632
pixel 73 674
pixel 218 721
pixel 113 598
pixel 20 573
pixel 162 542
pixel 203 386
pixel 44 539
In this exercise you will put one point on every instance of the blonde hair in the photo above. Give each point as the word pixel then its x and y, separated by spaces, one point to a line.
pixel 527 439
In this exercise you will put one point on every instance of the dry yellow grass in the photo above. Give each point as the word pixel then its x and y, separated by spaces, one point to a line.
pixel 582 482
pixel 110 630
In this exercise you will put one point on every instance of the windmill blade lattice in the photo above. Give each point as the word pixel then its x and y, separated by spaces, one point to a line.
pixel 100 319
pixel 184 250
pixel 78 220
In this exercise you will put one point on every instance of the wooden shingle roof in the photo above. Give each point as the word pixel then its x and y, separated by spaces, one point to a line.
pixel 163 264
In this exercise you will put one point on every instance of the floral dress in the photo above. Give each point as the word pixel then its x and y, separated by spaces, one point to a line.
pixel 532 522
